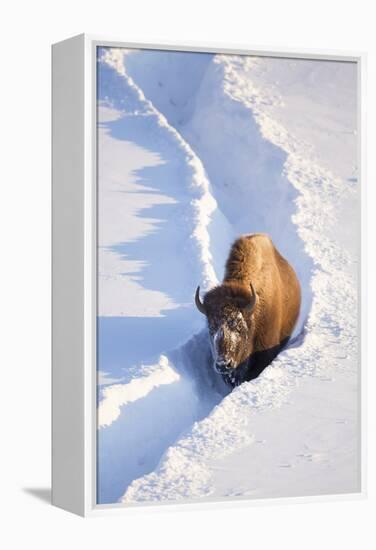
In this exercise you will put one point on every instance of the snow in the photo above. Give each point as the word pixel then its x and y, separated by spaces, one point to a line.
pixel 193 150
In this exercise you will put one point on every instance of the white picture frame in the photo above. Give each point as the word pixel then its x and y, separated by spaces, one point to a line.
pixel 74 267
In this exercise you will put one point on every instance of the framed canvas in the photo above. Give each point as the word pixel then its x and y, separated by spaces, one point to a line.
pixel 207 251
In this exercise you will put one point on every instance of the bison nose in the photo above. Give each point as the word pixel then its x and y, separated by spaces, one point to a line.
pixel 222 366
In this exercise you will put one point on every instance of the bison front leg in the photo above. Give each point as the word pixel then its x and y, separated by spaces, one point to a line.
pixel 261 359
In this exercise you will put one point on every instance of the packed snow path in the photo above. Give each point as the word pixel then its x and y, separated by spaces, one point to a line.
pixel 195 149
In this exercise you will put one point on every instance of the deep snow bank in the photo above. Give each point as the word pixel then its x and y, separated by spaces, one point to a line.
pixel 229 117
pixel 154 210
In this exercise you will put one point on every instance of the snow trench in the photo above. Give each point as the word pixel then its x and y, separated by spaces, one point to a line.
pixel 162 426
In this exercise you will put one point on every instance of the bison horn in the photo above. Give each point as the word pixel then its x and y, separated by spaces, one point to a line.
pixel 200 306
pixel 252 303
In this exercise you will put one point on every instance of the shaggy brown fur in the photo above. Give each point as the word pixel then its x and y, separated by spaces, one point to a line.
pixel 250 339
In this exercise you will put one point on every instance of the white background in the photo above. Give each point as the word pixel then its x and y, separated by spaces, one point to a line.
pixel 28 29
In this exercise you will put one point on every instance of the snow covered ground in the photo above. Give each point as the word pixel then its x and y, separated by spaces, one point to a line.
pixel 193 150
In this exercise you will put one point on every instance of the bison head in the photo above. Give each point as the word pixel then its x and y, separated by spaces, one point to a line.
pixel 228 309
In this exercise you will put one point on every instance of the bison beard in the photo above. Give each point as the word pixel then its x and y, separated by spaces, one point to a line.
pixel 251 315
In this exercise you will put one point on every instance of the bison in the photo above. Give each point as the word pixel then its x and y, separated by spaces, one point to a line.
pixel 252 314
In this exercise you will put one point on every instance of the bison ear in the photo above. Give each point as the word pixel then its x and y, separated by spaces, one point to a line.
pixel 200 306
pixel 251 305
